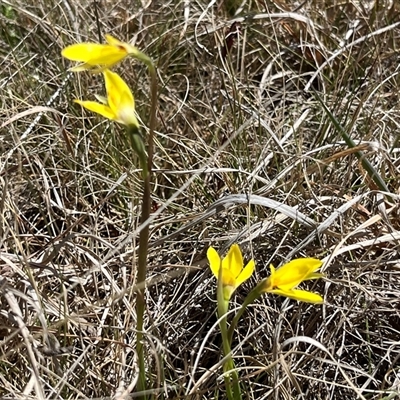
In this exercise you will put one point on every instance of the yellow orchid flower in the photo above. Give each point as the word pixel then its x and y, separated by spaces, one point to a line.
pixel 233 274
pixel 120 103
pixel 96 54
pixel 284 280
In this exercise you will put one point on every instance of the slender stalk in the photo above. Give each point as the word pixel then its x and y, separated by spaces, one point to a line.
pixel 228 364
pixel 253 295
pixel 230 374
pixel 144 234
pixel 371 171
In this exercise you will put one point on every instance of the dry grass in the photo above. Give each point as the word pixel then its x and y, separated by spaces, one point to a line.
pixel 237 126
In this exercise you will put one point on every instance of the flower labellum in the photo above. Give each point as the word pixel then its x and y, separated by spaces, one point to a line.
pixel 92 55
pixel 284 280
pixel 233 274
pixel 119 105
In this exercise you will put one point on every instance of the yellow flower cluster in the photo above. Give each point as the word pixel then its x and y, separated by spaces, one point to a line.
pixel 282 282
pixel 119 105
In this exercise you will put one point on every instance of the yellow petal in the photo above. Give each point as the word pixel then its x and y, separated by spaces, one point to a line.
pixel 214 260
pixel 126 112
pixel 228 279
pixel 112 41
pixel 98 108
pixel 118 92
pixel 294 272
pixel 94 53
pixel 233 260
pixel 246 273
pixel 300 295
pixel 81 51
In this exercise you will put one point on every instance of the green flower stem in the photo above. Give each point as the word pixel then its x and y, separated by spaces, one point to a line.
pixel 144 233
pixel 137 144
pixel 253 295
pixel 228 364
pixel 231 378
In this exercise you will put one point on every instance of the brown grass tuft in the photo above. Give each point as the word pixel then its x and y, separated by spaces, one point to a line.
pixel 239 125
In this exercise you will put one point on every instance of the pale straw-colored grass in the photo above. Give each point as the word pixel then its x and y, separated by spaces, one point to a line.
pixel 245 152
